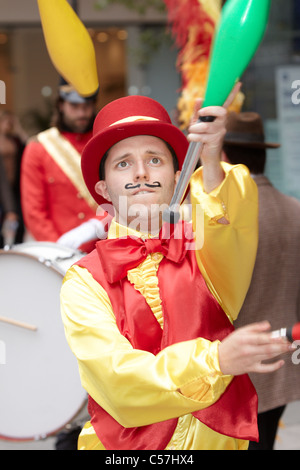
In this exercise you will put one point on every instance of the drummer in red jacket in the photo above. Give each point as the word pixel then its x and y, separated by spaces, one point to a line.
pixel 56 204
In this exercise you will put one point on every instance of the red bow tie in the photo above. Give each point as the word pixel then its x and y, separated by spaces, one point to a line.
pixel 119 255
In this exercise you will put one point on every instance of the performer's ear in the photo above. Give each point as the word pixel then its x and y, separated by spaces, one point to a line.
pixel 177 175
pixel 101 188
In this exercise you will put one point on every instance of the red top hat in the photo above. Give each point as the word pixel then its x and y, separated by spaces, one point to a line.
pixel 123 118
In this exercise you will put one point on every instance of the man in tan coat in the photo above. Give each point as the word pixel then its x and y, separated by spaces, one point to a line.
pixel 274 293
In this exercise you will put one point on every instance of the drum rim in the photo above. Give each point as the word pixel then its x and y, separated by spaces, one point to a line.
pixel 48 263
pixel 4 437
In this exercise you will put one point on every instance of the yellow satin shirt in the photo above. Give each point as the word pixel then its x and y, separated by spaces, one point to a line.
pixel 136 387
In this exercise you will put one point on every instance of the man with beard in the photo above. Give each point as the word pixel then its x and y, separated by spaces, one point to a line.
pixel 56 205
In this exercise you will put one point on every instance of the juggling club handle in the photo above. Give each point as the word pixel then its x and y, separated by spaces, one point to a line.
pixel 292 333
pixel 206 119
pixel 172 214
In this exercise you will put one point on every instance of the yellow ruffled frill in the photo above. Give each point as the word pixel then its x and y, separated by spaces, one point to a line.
pixel 144 279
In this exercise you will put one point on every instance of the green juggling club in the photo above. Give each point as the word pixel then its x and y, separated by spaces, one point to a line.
pixel 238 35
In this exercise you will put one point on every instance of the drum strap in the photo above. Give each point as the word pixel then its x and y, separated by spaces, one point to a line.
pixel 67 158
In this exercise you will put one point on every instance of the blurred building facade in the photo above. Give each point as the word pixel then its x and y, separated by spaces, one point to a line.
pixel 135 55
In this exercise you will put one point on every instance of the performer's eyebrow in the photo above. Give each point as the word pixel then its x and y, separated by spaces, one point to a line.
pixel 121 157
pixel 128 154
pixel 154 152
pixel 157 153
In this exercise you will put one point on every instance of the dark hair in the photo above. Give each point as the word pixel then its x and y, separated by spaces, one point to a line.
pixel 104 158
pixel 253 158
pixel 57 119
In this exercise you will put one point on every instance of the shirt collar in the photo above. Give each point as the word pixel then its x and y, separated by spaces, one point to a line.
pixel 117 230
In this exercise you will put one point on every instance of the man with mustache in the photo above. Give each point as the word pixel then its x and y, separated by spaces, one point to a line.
pixel 148 318
pixel 55 203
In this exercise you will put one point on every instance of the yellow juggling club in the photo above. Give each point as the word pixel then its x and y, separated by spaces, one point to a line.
pixel 69 45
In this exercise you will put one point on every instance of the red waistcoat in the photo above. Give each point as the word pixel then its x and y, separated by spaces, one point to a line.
pixel 189 311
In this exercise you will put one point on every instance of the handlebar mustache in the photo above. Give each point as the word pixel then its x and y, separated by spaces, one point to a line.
pixel 156 184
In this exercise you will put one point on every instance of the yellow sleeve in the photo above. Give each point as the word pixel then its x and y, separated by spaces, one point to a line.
pixel 226 252
pixel 134 386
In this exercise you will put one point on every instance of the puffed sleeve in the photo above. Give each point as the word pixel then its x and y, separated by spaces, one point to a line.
pixel 227 232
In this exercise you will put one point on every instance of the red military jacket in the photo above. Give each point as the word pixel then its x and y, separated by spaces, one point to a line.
pixel 51 204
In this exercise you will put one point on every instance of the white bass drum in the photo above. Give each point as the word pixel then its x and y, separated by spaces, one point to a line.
pixel 40 390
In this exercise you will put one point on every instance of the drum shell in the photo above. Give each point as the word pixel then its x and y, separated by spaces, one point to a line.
pixel 40 390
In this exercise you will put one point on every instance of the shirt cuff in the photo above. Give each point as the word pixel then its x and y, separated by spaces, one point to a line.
pixel 214 204
pixel 213 378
